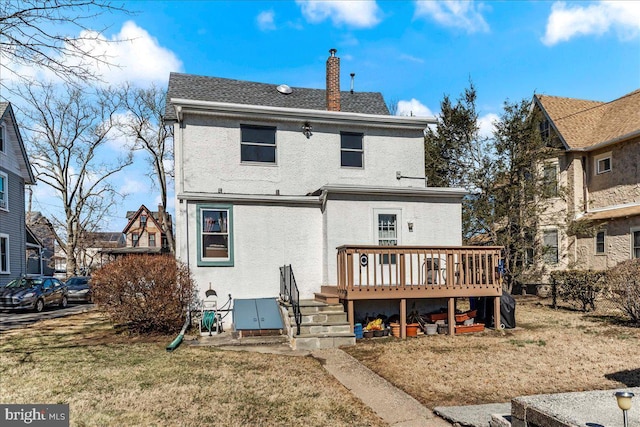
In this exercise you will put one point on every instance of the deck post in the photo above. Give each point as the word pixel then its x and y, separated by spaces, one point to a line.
pixel 403 318
pixel 497 320
pixel 350 314
pixel 451 316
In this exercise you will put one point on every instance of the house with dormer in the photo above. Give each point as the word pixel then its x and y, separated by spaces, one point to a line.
pixel 593 220
pixel 15 173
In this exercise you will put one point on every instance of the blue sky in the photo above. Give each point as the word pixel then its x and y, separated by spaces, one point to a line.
pixel 413 52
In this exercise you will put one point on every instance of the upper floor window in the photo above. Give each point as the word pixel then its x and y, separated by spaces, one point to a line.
pixel 600 247
pixel 545 129
pixel 3 138
pixel 4 254
pixel 351 150
pixel 152 240
pixel 550 180
pixel 603 163
pixel 134 239
pixel 550 246
pixel 143 220
pixel 4 191
pixel 258 144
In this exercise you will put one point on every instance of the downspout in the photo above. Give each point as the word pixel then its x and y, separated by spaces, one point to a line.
pixel 585 191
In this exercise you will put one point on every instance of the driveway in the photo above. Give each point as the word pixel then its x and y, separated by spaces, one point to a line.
pixel 12 320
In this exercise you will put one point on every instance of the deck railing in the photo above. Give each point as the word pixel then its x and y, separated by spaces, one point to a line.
pixel 381 272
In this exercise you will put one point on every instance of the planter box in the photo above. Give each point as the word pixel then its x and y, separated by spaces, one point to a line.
pixel 464 329
pixel 466 316
pixel 433 317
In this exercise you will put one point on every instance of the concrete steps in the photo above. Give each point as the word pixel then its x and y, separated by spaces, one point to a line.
pixel 324 325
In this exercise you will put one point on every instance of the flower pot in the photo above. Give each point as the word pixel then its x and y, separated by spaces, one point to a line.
pixel 368 334
pixel 412 329
pixel 432 329
pixel 378 333
pixel 395 329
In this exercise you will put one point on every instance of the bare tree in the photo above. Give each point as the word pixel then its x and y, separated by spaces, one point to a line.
pixel 30 36
pixel 68 131
pixel 145 123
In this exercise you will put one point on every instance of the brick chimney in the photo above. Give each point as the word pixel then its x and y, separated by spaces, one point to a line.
pixel 333 81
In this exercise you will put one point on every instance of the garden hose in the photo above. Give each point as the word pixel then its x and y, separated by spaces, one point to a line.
pixel 209 320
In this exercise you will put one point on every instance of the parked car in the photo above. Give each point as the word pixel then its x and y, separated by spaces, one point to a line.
pixel 33 294
pixel 79 289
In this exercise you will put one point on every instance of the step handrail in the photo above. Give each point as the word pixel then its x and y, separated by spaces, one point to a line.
pixel 289 292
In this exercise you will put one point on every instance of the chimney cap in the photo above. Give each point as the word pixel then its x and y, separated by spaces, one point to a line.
pixel 333 52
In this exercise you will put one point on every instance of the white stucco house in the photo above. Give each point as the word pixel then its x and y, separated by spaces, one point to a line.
pixel 267 175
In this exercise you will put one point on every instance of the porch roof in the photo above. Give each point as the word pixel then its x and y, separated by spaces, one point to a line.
pixel 615 213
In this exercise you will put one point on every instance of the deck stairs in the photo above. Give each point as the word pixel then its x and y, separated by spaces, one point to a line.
pixel 324 323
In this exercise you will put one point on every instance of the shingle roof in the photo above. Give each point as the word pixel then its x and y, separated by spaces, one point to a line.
pixel 216 89
pixel 584 124
pixel 3 107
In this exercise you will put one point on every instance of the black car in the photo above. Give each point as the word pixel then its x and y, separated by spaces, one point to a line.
pixel 33 294
pixel 79 289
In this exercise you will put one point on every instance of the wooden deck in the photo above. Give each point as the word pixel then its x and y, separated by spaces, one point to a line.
pixel 416 272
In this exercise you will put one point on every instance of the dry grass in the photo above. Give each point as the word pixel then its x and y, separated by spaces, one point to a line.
pixel 110 379
pixel 550 351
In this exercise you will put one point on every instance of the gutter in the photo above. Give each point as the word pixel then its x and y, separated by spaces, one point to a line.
pixel 224 109
pixel 250 198
pixel 406 191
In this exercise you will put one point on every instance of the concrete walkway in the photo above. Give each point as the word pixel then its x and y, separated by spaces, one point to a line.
pixel 390 403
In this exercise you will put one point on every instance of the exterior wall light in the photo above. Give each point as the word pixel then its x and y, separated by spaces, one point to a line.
pixel 624 403
pixel 410 224
pixel 306 129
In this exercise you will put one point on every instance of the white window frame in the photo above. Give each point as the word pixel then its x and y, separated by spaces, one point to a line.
pixel 260 144
pixel 376 229
pixel 633 230
pixel 4 204
pixel 601 158
pixel 7 269
pixel 604 242
pixel 353 150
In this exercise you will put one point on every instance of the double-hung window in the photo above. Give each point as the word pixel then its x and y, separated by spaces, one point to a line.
pixel 550 180
pixel 215 235
pixel 4 254
pixel 152 240
pixel 134 239
pixel 351 150
pixel 257 144
pixel 550 246
pixel 4 191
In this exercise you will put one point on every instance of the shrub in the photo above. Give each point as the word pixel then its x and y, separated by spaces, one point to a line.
pixel 624 281
pixel 578 287
pixel 144 293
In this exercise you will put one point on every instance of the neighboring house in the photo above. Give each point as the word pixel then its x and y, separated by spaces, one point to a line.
pixel 15 172
pixel 144 233
pixel 41 228
pixel 269 175
pixel 34 248
pixel 93 245
pixel 593 221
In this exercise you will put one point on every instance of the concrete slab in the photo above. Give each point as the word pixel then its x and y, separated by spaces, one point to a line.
pixel 473 416
pixel 583 409
pixel 390 403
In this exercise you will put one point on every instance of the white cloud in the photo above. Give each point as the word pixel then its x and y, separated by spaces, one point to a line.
pixel 566 22
pixel 463 14
pixel 266 20
pixel 413 108
pixel 486 124
pixel 411 58
pixel 131 55
pixel 358 14
pixel 134 186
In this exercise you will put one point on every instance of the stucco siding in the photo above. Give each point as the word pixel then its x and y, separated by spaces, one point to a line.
pixel 210 153
pixel 617 245
pixel 622 184
pixel 264 239
pixel 12 223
